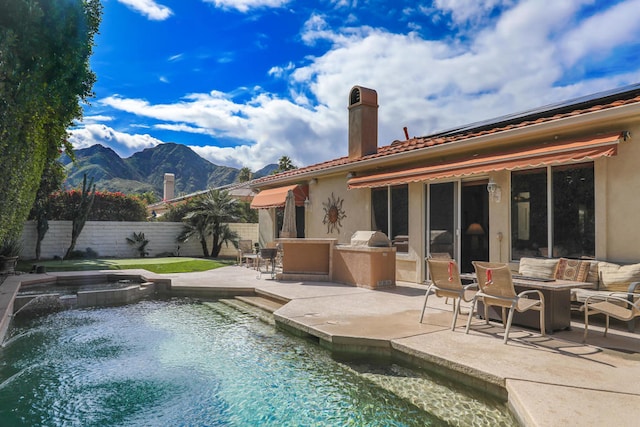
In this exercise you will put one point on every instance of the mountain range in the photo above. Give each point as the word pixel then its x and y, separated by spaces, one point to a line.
pixel 144 171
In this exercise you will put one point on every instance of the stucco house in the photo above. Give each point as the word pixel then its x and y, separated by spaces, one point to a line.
pixel 560 180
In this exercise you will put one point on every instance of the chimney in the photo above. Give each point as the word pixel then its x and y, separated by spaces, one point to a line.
pixel 363 122
pixel 169 186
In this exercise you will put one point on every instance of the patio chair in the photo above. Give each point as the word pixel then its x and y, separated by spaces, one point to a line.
pixel 245 247
pixel 446 283
pixel 267 262
pixel 278 247
pixel 619 306
pixel 496 289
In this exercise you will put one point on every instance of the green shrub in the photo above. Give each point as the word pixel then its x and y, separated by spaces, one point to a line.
pixel 107 206
pixel 86 254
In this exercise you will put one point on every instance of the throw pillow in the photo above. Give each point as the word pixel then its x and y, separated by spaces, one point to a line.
pixel 542 268
pixel 573 269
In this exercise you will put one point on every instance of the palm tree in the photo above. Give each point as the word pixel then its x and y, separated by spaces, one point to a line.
pixel 195 226
pixel 284 164
pixel 209 217
pixel 226 235
pixel 245 175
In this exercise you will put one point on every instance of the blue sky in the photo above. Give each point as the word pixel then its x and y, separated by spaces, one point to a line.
pixel 244 82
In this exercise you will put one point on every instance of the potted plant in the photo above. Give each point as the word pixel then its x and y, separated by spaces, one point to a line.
pixel 9 251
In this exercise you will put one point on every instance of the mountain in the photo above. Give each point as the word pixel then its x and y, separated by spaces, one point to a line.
pixel 144 171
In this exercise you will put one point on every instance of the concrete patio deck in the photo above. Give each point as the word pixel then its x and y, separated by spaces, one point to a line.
pixel 548 381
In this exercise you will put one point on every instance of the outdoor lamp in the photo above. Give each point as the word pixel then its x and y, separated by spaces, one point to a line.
pixel 307 204
pixel 494 190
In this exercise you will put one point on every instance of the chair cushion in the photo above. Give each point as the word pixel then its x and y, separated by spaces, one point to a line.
pixel 542 268
pixel 573 269
pixel 616 278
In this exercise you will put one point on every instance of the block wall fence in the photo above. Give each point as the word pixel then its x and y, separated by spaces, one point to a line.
pixel 108 239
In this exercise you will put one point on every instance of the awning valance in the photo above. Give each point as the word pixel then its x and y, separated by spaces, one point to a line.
pixel 275 197
pixel 531 157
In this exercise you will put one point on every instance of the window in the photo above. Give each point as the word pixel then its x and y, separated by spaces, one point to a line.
pixel 574 212
pixel 390 210
pixel 568 227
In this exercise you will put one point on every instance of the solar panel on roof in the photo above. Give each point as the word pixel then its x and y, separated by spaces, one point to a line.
pixel 586 101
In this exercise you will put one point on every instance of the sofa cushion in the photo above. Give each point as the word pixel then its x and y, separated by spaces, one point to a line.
pixel 542 268
pixel 616 278
pixel 573 269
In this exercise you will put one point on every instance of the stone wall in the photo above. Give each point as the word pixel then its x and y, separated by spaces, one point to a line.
pixel 108 239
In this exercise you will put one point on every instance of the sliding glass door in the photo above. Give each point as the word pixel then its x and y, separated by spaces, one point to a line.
pixel 442 221
pixel 458 222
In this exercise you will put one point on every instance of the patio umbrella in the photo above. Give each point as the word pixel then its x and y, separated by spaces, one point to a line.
pixel 289 218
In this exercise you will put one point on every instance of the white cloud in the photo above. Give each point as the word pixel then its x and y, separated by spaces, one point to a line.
pixel 603 32
pixel 246 5
pixel 281 71
pixel 123 143
pixel 182 127
pixel 96 118
pixel 149 8
pixel 463 11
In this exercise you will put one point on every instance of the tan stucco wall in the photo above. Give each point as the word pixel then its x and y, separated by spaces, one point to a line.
pixel 356 206
pixel 617 187
pixel 500 219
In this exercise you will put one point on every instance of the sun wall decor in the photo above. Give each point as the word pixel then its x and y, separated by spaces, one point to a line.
pixel 333 213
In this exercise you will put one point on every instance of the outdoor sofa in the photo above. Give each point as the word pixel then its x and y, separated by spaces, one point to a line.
pixel 608 279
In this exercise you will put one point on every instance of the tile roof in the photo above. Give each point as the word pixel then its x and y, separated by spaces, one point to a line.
pixel 593 103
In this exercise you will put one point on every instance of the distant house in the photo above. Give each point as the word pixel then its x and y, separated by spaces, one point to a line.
pixel 559 180
pixel 239 191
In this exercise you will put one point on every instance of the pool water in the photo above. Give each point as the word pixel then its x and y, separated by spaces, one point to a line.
pixel 181 362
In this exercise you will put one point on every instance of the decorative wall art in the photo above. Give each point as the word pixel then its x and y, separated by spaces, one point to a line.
pixel 333 213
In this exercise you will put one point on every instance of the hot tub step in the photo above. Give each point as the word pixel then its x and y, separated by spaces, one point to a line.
pixel 262 302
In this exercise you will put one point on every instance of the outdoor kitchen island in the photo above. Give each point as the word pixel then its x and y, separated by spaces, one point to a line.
pixel 368 261
pixel 307 259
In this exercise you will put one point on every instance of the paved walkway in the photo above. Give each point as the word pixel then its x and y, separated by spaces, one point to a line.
pixel 549 381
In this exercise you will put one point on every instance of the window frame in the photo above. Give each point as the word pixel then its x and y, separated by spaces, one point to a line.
pixel 551 238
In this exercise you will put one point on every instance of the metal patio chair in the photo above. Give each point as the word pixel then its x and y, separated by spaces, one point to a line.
pixel 446 283
pixel 620 306
pixel 496 289
pixel 267 262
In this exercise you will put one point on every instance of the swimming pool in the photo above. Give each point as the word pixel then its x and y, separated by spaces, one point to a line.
pixel 181 362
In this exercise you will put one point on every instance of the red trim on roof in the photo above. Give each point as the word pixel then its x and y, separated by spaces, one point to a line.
pixel 558 153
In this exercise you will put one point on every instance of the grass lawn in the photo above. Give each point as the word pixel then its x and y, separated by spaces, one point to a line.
pixel 156 265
